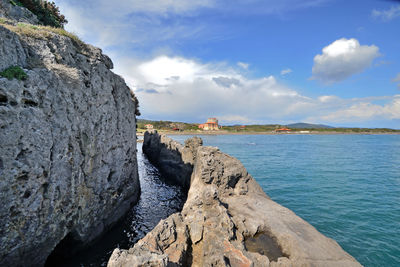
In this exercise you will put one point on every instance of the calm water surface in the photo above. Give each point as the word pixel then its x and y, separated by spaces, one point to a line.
pixel 347 186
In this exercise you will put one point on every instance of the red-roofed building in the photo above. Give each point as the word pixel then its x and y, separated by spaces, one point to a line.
pixel 210 125
pixel 283 130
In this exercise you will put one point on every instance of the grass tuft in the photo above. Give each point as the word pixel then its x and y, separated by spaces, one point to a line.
pixel 38 31
pixel 14 72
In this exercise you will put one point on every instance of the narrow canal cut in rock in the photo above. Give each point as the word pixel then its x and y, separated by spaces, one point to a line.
pixel 159 199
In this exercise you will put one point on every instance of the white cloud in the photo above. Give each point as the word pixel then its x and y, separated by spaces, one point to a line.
pixel 286 71
pixel 235 119
pixel 203 90
pixel 328 98
pixel 186 89
pixel 341 59
pixel 243 65
pixel 136 23
pixel 387 14
pixel 365 111
pixel 148 25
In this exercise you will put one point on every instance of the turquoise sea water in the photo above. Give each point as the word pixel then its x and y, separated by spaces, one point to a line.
pixel 347 186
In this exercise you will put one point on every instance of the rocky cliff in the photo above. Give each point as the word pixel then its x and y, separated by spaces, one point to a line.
pixel 68 141
pixel 228 220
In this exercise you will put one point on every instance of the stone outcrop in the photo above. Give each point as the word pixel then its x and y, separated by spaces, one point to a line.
pixel 68 143
pixel 175 161
pixel 228 220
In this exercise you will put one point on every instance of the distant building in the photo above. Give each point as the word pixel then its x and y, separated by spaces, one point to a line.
pixel 149 126
pixel 210 125
pixel 283 130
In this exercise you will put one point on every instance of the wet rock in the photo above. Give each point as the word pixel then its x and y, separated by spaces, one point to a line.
pixel 68 145
pixel 228 220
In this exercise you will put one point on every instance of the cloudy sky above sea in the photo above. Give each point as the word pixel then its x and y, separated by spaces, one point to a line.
pixel 335 62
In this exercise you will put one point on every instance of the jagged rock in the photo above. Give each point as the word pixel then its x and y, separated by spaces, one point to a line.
pixel 228 220
pixel 68 144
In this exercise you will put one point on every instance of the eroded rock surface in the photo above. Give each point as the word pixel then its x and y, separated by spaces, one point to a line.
pixel 228 220
pixel 68 144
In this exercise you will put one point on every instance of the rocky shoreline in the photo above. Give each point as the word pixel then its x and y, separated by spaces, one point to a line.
pixel 227 219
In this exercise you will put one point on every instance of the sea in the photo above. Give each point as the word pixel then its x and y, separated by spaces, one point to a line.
pixel 346 186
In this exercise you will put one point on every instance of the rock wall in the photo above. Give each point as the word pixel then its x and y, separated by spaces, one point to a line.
pixel 68 143
pixel 228 220
pixel 174 160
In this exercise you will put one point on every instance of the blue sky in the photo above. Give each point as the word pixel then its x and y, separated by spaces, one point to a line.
pixel 252 61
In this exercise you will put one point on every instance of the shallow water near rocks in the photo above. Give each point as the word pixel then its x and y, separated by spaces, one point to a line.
pixel 264 244
pixel 157 201
pixel 346 186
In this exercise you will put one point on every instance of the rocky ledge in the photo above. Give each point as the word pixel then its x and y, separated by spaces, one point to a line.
pixel 227 220
pixel 68 144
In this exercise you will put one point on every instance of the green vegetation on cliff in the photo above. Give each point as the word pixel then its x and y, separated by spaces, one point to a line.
pixel 47 12
pixel 14 72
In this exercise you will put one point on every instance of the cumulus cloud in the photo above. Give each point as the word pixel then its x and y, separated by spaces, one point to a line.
pixel 204 90
pixel 217 89
pixel 285 71
pixel 387 14
pixel 341 59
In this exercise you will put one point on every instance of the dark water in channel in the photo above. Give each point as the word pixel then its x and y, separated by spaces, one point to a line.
pixel 157 201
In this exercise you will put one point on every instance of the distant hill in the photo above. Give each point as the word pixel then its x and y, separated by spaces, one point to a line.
pixel 303 125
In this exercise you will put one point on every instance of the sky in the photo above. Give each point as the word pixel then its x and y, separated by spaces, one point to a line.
pixel 334 62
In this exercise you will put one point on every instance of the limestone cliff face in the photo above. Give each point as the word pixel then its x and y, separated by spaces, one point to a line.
pixel 228 220
pixel 68 143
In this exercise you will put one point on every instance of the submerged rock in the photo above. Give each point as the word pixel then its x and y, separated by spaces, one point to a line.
pixel 68 143
pixel 228 220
